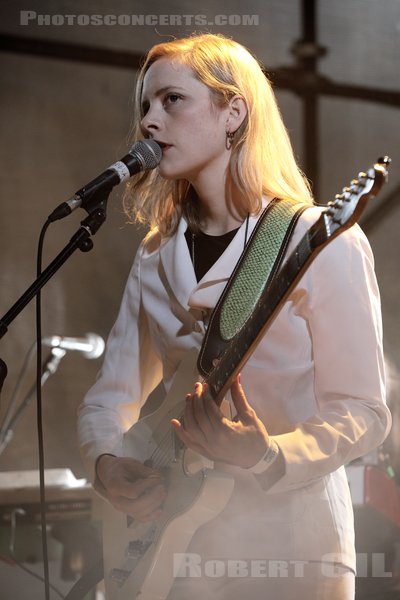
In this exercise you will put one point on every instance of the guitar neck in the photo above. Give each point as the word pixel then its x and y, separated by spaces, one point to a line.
pixel 339 215
pixel 271 300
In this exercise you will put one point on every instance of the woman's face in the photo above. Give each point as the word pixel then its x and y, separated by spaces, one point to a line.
pixel 179 113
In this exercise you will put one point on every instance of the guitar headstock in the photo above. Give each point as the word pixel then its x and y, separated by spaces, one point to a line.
pixel 347 207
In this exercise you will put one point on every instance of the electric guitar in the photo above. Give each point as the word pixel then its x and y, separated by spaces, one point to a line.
pixel 138 557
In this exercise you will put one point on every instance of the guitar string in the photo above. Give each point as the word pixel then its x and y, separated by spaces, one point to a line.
pixel 164 452
pixel 161 454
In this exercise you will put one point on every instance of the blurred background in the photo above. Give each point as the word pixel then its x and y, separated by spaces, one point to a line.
pixel 66 86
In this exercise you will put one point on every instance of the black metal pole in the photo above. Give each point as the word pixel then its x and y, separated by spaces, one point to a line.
pixel 310 98
pixel 81 239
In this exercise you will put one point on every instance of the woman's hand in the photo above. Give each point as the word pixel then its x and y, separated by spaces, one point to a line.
pixel 242 442
pixel 131 487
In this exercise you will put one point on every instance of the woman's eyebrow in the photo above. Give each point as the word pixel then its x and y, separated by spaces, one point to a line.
pixel 162 90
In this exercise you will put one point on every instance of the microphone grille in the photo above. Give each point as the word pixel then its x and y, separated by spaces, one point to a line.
pixel 148 152
pixel 97 343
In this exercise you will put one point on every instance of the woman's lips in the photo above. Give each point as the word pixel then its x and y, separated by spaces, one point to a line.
pixel 162 144
pixel 165 147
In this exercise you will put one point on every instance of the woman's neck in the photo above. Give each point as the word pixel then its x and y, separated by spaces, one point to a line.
pixel 218 215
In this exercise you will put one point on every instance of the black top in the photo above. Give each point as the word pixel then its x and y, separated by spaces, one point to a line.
pixel 206 249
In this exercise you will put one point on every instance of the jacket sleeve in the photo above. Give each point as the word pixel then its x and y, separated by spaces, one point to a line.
pixel 130 371
pixel 344 320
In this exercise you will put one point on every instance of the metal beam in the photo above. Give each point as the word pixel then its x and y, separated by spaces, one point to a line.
pixel 71 52
pixel 288 78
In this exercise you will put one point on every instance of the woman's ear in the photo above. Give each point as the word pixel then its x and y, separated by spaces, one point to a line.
pixel 237 111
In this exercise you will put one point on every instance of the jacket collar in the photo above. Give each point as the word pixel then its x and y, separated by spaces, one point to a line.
pixel 178 267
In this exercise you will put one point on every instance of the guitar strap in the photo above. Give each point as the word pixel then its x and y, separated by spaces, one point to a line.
pixel 256 268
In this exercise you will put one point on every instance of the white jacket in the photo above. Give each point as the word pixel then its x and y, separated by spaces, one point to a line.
pixel 316 380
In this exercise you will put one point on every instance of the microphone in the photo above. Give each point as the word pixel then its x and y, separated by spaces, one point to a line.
pixel 143 156
pixel 91 346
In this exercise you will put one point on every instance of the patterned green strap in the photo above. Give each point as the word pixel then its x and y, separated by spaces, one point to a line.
pixel 254 271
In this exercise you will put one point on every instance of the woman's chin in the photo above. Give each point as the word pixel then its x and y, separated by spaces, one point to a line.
pixel 170 174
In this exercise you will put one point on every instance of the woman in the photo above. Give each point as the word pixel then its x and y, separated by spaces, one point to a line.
pixel 310 398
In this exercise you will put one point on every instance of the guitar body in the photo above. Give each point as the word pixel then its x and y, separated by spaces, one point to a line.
pixel 140 559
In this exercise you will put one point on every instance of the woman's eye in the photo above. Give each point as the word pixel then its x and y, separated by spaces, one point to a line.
pixel 171 98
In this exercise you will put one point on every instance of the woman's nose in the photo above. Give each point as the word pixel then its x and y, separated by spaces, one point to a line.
pixel 150 122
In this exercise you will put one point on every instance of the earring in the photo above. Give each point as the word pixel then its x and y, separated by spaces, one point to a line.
pixel 229 139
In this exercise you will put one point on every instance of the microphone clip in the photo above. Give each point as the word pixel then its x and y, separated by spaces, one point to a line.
pixel 96 201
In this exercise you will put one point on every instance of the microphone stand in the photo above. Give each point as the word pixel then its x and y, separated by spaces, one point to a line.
pixel 3 373
pixel 49 368
pixel 80 240
pixel 95 206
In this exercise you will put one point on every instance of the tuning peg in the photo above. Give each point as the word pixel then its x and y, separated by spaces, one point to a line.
pixel 354 186
pixel 330 210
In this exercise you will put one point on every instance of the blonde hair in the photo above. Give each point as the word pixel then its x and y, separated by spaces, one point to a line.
pixel 262 160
